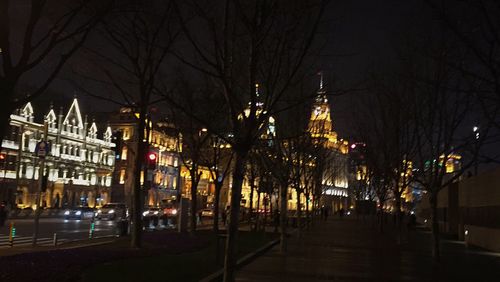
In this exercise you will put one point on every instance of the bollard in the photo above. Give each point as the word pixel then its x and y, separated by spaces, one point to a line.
pixel 54 241
pixel 12 234
pixel 91 230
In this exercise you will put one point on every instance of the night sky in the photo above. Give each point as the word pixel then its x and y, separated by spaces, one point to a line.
pixel 361 33
pixel 364 34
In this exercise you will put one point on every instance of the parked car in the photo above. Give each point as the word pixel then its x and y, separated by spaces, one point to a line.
pixel 112 211
pixel 79 213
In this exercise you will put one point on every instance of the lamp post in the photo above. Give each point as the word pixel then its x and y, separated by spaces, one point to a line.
pixel 475 130
pixel 42 149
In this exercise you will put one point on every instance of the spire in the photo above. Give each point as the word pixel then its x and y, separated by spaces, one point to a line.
pixel 321 98
pixel 320 80
pixel 257 96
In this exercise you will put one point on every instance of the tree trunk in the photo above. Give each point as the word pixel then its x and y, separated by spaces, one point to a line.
pixel 435 227
pixel 194 199
pixel 283 217
pixel 136 230
pixel 232 230
pixel 398 217
pixel 313 211
pixel 307 210
pixel 264 222
pixel 299 211
pixel 218 186
pixel 257 216
pixel 381 218
pixel 252 188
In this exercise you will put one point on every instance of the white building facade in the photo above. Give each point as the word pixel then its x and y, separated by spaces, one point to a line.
pixel 78 166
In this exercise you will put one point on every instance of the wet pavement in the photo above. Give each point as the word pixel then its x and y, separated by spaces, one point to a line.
pixel 352 249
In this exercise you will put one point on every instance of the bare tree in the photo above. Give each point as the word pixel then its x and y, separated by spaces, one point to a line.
pixel 443 105
pixel 195 139
pixel 38 38
pixel 219 160
pixel 389 129
pixel 301 174
pixel 238 43
pixel 476 30
pixel 279 161
pixel 138 39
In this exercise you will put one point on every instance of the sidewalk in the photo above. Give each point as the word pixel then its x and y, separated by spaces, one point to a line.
pixel 353 250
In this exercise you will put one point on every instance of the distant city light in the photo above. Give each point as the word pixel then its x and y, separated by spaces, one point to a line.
pixel 353 146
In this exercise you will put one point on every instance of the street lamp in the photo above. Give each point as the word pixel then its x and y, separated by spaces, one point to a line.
pixel 475 130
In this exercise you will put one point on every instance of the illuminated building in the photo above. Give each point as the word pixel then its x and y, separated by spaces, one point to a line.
pixel 336 175
pixel 163 181
pixel 205 190
pixel 78 166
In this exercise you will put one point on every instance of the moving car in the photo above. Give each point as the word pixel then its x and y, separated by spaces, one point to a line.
pixel 153 212
pixel 207 213
pixel 112 211
pixel 170 211
pixel 79 213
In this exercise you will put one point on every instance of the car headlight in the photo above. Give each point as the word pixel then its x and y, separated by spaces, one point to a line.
pixel 78 212
pixel 66 213
pixel 174 211
pixel 111 211
pixel 155 213
pixel 145 213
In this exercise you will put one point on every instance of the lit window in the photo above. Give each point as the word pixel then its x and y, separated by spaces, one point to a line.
pixel 124 152
pixel 122 176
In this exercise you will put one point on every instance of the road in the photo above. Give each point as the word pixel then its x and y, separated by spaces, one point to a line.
pixel 67 230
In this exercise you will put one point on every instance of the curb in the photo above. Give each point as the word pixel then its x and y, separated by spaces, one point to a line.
pixel 242 261
pixel 86 245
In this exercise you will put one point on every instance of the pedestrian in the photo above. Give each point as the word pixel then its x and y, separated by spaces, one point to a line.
pixel 412 221
pixel 326 213
pixel 322 212
pixel 3 214
pixel 200 216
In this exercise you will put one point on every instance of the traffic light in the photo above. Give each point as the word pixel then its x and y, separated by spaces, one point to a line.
pixel 151 160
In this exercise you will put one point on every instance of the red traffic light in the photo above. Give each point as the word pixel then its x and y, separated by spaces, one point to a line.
pixel 152 156
pixel 151 160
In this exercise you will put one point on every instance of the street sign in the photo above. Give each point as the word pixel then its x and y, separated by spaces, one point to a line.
pixel 42 149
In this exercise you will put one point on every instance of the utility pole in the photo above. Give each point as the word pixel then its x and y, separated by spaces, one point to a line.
pixel 41 150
